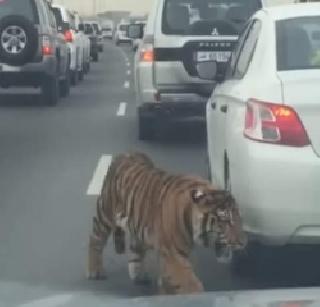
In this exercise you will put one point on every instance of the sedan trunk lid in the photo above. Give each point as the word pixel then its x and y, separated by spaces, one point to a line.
pixel 301 91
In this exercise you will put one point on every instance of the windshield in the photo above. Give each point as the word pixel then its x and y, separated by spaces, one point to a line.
pixel 298 43
pixel 207 17
pixel 24 8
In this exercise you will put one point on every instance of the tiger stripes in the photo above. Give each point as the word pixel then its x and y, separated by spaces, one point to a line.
pixel 161 211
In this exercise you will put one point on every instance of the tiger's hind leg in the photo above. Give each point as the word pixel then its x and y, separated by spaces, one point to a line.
pixel 136 262
pixel 98 239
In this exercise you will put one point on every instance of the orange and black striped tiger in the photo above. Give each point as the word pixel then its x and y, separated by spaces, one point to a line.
pixel 165 212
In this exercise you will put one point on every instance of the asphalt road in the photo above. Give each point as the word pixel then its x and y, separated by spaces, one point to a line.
pixel 48 157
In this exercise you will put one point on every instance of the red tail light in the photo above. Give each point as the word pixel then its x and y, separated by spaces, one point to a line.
pixel 47 48
pixel 274 123
pixel 68 36
pixel 147 54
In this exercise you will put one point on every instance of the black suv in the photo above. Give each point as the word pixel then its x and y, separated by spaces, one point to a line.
pixel 32 52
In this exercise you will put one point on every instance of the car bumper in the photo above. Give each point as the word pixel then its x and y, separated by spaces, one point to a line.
pixel 182 111
pixel 277 188
pixel 28 74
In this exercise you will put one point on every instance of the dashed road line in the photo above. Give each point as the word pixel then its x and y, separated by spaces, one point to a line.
pixel 128 72
pixel 128 64
pixel 122 109
pixel 96 182
pixel 126 84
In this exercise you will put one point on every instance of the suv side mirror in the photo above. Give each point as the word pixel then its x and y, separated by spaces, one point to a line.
pixel 211 70
pixel 135 31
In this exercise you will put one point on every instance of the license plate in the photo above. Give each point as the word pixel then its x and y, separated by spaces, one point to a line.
pixel 219 56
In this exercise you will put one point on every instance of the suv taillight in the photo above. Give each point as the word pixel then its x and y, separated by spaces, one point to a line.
pixel 274 123
pixel 147 53
pixel 68 36
pixel 47 48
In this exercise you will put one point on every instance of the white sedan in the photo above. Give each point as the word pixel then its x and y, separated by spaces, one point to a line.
pixel 263 124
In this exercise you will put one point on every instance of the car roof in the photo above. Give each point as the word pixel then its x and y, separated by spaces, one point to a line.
pixel 293 10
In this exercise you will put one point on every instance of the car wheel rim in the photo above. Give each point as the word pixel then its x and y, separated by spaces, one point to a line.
pixel 13 39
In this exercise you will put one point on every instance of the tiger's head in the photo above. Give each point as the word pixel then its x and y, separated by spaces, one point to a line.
pixel 217 222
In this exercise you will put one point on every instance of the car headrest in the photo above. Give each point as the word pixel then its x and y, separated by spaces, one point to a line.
pixel 298 47
pixel 237 14
pixel 178 17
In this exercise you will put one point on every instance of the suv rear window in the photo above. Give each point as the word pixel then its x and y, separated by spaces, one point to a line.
pixel 207 17
pixel 298 43
pixel 25 8
pixel 123 27
pixel 57 14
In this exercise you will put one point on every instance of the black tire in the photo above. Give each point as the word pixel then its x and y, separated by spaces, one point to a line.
pixel 50 91
pixel 65 86
pixel 146 127
pixel 30 37
pixel 74 78
pixel 81 75
pixel 86 68
pixel 95 57
pixel 246 263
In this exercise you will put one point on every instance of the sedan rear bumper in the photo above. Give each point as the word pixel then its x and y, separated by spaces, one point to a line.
pixel 277 188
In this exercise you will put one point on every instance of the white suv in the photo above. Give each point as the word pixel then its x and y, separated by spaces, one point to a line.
pixel 74 40
pixel 86 58
pixel 263 125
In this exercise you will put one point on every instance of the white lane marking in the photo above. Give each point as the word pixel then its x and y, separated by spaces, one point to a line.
pixel 96 182
pixel 122 109
pixel 128 64
pixel 51 301
pixel 126 84
pixel 128 72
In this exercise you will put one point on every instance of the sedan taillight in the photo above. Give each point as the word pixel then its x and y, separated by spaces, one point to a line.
pixel 274 123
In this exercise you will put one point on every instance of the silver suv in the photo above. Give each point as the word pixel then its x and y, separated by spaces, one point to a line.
pixel 32 52
pixel 180 34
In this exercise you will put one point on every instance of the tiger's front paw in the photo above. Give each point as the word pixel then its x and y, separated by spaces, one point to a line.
pixel 96 274
pixel 138 275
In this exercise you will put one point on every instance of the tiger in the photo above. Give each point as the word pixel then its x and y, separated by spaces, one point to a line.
pixel 165 212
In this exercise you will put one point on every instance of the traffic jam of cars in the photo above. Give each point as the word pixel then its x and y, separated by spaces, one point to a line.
pixel 226 90
pixel 54 57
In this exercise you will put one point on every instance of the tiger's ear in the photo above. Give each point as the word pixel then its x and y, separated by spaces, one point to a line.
pixel 197 195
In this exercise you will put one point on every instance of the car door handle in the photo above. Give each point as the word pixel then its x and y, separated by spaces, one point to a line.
pixel 213 105
pixel 224 108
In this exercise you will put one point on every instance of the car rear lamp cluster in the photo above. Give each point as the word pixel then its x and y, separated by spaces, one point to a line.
pixel 274 123
pixel 47 48
pixel 68 36
pixel 147 53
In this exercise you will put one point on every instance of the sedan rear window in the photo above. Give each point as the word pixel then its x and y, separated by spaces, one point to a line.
pixel 298 43
pixel 207 17
pixel 25 8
